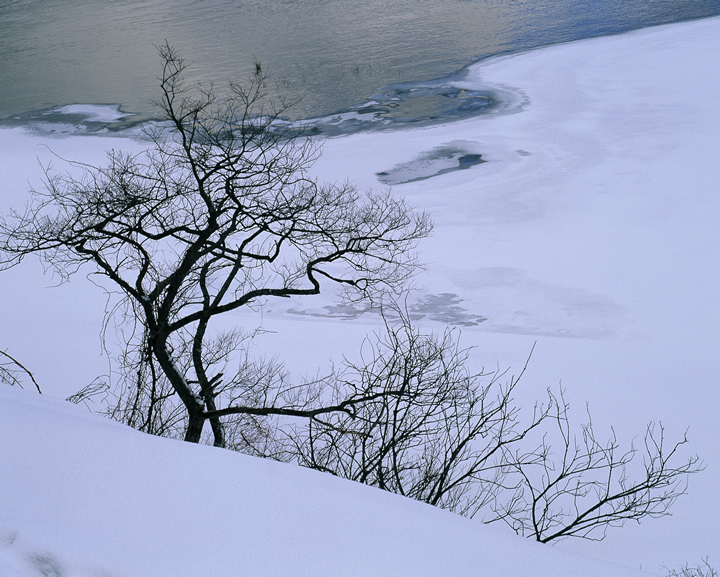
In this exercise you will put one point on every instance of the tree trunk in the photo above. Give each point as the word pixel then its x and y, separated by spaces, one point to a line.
pixel 193 404
pixel 207 388
pixel 194 428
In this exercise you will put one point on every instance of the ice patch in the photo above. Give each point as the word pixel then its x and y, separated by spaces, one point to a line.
pixel 517 303
pixel 459 155
pixel 93 112
pixel 444 308
pixel 77 119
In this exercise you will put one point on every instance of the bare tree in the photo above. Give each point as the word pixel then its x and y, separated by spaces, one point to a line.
pixel 440 439
pixel 143 398
pixel 456 439
pixel 218 214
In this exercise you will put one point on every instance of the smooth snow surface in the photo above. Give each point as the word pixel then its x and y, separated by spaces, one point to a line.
pixel 81 496
pixel 591 228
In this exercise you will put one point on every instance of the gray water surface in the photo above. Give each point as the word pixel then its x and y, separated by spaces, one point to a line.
pixel 329 54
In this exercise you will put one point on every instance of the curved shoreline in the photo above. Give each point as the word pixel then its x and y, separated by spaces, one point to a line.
pixel 405 105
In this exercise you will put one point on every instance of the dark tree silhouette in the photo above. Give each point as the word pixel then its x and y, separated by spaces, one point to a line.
pixel 218 214
pixel 457 440
pixel 576 485
pixel 440 440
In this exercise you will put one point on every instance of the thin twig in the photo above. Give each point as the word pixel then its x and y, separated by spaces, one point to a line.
pixel 19 364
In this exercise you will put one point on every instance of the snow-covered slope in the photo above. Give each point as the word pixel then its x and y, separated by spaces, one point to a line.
pixel 80 496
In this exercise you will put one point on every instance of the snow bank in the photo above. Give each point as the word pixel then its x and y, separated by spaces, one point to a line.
pixel 83 496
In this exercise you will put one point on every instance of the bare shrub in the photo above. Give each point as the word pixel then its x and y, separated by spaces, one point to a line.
pixel 702 570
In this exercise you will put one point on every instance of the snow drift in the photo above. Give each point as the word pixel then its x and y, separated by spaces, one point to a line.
pixel 83 496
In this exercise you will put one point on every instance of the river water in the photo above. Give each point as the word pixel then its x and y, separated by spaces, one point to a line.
pixel 330 55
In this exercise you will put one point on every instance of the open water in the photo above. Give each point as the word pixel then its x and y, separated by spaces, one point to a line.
pixel 330 55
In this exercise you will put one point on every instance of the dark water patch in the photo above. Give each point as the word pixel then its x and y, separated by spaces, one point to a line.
pixel 441 160
pixel 418 104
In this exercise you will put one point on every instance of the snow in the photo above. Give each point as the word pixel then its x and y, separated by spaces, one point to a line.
pixel 92 498
pixel 590 229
